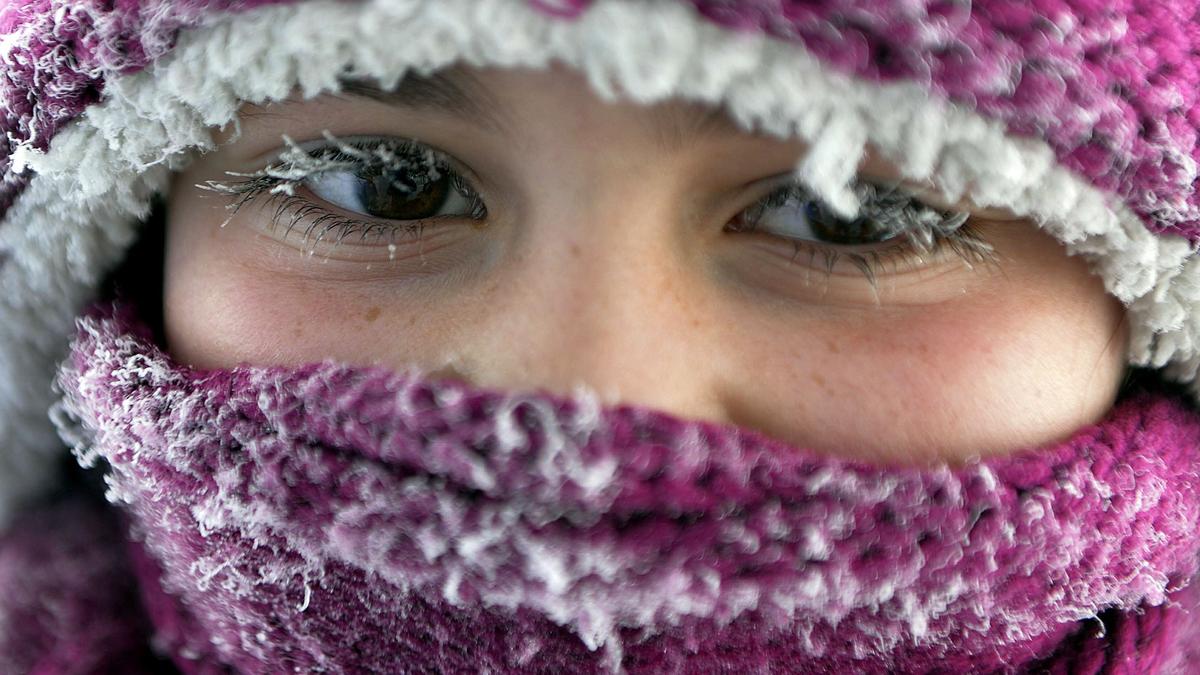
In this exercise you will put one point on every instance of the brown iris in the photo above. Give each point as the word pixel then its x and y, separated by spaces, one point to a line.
pixel 830 229
pixel 383 194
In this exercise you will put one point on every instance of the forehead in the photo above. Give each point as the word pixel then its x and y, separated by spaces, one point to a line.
pixel 512 103
pixel 502 100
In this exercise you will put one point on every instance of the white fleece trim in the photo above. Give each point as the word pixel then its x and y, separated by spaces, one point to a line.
pixel 93 186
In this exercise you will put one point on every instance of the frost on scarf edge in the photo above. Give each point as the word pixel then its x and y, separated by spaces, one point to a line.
pixel 93 187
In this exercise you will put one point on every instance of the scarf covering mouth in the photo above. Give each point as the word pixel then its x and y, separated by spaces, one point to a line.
pixel 329 518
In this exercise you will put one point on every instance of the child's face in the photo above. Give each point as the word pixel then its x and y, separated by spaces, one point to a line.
pixel 607 245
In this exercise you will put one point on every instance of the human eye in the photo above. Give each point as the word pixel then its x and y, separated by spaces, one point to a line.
pixel 392 188
pixel 893 232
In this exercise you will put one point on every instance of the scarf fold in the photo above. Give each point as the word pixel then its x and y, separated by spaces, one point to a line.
pixel 330 518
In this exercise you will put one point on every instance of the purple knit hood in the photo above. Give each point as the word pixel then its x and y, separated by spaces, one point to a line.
pixel 339 519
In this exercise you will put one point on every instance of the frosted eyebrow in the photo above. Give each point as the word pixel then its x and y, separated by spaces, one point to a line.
pixel 455 95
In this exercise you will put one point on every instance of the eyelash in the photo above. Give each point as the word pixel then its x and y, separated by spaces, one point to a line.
pixel 279 188
pixel 966 245
pixel 952 233
pixel 278 181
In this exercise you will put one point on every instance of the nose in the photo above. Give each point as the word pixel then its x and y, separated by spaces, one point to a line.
pixel 606 301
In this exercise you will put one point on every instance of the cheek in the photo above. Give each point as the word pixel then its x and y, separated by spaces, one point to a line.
pixel 987 374
pixel 220 311
pixel 230 297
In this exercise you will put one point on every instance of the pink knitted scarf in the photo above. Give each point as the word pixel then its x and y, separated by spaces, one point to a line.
pixel 338 519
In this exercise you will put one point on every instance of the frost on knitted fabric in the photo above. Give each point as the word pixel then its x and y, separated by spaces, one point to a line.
pixel 345 518
pixel 58 54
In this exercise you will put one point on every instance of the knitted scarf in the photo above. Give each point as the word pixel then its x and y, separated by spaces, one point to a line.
pixel 338 519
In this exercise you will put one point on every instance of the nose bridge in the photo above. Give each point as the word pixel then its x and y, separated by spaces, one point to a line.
pixel 602 302
pixel 615 313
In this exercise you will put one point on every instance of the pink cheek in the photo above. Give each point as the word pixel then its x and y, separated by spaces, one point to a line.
pixel 889 372
pixel 951 356
pixel 225 314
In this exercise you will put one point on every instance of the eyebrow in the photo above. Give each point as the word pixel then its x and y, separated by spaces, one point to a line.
pixel 456 94
pixel 459 94
pixel 675 129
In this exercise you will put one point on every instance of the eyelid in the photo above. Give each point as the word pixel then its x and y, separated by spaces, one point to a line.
pixel 927 195
pixel 275 155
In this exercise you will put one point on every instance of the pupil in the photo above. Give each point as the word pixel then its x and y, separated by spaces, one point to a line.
pixel 404 197
pixel 833 230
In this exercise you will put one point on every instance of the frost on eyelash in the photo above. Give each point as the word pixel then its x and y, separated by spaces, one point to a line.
pixel 888 212
pixel 896 212
pixel 297 164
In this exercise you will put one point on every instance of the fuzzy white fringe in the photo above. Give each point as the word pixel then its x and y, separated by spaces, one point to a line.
pixel 94 185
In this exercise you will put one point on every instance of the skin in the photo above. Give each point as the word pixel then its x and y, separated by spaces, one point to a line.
pixel 605 261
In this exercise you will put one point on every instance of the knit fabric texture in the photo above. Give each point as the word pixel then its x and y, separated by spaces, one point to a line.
pixel 1112 86
pixel 341 519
